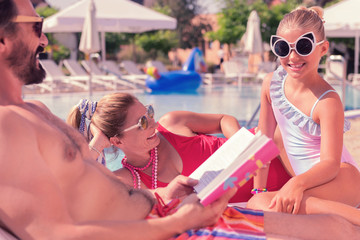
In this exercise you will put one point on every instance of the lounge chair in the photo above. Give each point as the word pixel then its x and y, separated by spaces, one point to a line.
pixel 56 80
pixel 55 77
pixel 132 70
pixel 236 71
pixel 111 67
pixel 159 65
pixel 103 80
pixel 116 78
pixel 265 68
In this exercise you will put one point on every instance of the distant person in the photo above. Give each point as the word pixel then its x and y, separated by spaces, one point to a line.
pixel 310 116
pixel 221 55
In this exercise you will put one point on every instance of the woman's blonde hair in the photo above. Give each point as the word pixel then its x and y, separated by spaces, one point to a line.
pixel 110 113
pixel 305 18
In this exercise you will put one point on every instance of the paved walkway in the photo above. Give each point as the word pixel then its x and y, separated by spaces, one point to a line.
pixel 352 139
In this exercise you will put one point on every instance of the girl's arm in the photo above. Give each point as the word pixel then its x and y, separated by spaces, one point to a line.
pixel 267 125
pixel 191 123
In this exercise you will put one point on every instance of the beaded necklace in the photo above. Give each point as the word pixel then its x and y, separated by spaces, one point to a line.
pixel 134 170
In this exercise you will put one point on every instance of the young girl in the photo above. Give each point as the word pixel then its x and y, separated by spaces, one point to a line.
pixel 310 116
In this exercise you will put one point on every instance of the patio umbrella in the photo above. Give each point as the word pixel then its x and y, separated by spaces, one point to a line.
pixel 111 16
pixel 252 41
pixel 89 42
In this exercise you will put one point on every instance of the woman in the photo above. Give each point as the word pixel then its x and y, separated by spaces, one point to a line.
pixel 158 152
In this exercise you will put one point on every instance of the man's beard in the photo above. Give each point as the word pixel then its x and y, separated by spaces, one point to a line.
pixel 23 64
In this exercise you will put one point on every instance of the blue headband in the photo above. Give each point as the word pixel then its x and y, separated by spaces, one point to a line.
pixel 84 105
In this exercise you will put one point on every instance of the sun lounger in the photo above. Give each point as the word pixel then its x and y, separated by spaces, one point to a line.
pixel 111 67
pixel 131 68
pixel 236 71
pixel 133 71
pixel 114 74
pixel 76 69
pixel 159 65
pixel 56 78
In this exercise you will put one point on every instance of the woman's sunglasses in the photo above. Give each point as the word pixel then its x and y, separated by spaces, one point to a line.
pixel 143 122
pixel 303 46
pixel 38 22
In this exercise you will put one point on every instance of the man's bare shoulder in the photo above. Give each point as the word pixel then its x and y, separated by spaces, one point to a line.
pixel 38 104
pixel 9 115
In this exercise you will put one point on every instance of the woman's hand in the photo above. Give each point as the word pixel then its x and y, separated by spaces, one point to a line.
pixel 180 187
pixel 288 199
pixel 99 141
pixel 192 214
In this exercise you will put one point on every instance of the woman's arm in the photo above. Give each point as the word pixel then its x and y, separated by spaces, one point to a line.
pixel 190 123
pixel 98 143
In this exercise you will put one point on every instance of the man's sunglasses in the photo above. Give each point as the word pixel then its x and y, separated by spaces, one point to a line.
pixel 303 46
pixel 38 22
pixel 143 122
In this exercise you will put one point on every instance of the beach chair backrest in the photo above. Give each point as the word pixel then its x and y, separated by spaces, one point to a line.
pixel 94 68
pixel 159 65
pixel 111 66
pixel 52 69
pixel 131 67
pixel 74 68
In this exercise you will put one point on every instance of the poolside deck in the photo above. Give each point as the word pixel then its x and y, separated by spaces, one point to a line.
pixel 352 138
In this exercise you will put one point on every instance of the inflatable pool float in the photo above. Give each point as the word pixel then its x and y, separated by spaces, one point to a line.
pixel 186 80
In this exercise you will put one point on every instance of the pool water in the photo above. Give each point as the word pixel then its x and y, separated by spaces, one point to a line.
pixel 240 102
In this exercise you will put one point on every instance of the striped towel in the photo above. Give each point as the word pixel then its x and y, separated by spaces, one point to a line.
pixel 235 223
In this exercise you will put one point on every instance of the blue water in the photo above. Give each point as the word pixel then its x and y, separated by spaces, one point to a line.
pixel 239 101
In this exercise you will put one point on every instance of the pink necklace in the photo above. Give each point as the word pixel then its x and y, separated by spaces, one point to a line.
pixel 134 170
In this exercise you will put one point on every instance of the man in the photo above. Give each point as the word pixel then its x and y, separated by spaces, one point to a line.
pixel 49 186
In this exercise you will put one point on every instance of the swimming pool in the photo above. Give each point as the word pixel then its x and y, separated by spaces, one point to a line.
pixel 239 101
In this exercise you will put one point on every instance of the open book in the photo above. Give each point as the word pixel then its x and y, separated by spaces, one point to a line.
pixel 233 164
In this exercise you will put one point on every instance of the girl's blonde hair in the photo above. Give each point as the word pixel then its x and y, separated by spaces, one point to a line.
pixel 305 18
pixel 110 113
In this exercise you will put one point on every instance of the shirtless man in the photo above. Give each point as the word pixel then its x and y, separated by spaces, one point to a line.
pixel 49 186
pixel 49 189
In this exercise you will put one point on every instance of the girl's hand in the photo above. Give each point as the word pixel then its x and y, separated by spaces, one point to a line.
pixel 288 199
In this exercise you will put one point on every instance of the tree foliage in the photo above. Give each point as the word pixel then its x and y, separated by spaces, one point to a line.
pixel 158 41
pixel 234 15
pixel 190 34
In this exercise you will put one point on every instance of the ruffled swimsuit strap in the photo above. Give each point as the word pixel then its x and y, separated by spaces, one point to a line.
pixel 322 95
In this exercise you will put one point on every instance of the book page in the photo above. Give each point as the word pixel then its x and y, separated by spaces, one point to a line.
pixel 261 151
pixel 222 158
pixel 244 156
